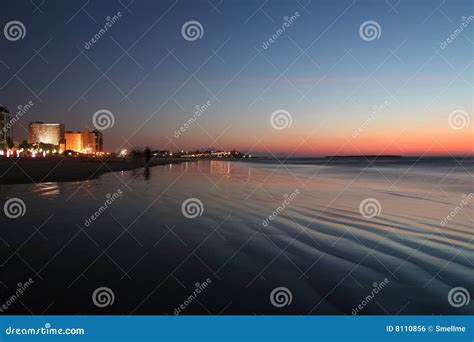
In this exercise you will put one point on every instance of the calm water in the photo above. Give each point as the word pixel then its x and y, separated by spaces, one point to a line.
pixel 317 245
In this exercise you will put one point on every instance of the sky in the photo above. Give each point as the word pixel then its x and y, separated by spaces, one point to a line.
pixel 333 88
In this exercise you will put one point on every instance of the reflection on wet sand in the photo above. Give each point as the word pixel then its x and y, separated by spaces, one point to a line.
pixel 49 189
pixel 319 245
pixel 146 172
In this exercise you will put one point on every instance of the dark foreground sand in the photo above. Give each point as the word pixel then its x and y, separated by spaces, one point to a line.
pixel 68 169
pixel 320 253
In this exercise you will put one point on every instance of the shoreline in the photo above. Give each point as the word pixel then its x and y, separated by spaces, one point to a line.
pixel 69 169
pixel 72 169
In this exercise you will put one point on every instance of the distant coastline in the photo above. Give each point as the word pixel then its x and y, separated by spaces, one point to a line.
pixel 370 156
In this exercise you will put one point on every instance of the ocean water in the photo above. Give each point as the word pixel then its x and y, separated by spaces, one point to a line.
pixel 300 237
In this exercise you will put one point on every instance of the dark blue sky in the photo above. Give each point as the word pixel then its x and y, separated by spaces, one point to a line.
pixel 319 70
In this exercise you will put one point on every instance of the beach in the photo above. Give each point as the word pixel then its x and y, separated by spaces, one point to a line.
pixel 302 226
pixel 68 169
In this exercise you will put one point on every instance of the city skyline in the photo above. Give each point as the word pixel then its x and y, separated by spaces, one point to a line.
pixel 392 94
pixel 55 134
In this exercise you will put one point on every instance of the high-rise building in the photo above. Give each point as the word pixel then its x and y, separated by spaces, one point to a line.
pixel 73 141
pixel 5 127
pixel 84 142
pixel 98 141
pixel 39 132
pixel 88 141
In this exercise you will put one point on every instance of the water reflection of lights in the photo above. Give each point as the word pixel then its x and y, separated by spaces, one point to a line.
pixel 47 190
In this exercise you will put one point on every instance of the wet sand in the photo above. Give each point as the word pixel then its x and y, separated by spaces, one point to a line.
pixel 320 247
pixel 68 169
